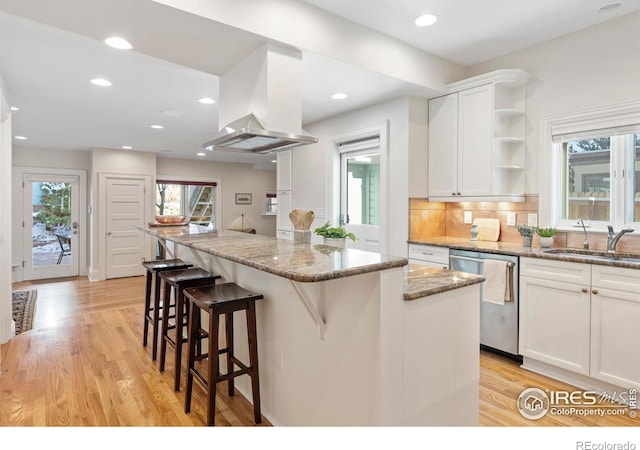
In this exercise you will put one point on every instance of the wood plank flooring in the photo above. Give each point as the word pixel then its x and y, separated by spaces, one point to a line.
pixel 83 364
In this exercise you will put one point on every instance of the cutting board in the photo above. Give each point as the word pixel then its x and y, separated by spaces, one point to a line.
pixel 488 229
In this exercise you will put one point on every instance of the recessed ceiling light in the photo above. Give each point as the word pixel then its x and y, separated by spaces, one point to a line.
pixel 172 113
pixel 166 150
pixel 201 154
pixel 274 160
pixel 425 20
pixel 157 127
pixel 609 8
pixel 101 82
pixel 119 43
pixel 339 96
pixel 207 101
pixel 127 147
pixel 14 108
pixel 20 138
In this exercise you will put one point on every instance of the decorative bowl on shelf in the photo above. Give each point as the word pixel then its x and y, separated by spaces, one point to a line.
pixel 170 219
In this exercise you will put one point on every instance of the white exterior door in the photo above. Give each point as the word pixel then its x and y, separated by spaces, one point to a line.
pixel 125 245
pixel 51 225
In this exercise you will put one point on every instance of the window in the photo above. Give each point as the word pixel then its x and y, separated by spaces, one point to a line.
pixel 360 182
pixel 271 204
pixel 195 200
pixel 600 176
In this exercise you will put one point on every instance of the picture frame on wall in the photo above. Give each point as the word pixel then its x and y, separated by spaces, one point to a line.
pixel 243 198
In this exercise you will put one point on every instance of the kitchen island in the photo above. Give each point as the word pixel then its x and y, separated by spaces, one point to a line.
pixel 339 342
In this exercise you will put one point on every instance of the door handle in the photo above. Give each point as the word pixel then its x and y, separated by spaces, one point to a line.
pixel 109 233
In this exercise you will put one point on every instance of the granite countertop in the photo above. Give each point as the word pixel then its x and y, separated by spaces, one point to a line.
pixel 298 262
pixel 617 259
pixel 422 281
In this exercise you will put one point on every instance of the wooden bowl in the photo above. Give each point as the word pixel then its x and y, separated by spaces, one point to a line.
pixel 170 219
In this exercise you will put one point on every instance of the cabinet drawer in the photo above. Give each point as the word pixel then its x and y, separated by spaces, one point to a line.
pixel 568 272
pixel 617 278
pixel 429 253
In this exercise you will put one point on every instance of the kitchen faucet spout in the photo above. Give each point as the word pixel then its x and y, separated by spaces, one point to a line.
pixel 613 238
pixel 585 243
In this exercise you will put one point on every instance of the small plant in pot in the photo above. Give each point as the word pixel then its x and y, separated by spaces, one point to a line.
pixel 526 231
pixel 546 236
pixel 334 236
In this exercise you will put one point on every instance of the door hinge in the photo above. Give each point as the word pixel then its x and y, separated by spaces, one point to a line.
pixel 23 263
pixel 23 224
pixel 23 184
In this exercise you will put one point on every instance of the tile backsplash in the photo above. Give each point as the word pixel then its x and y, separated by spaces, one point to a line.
pixel 437 219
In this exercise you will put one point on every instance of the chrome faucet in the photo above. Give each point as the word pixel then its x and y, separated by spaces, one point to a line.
pixel 612 240
pixel 585 243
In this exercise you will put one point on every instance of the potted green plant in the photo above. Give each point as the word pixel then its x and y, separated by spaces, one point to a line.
pixel 334 236
pixel 546 236
pixel 526 231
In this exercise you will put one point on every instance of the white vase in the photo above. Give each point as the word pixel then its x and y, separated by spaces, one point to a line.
pixel 546 242
pixel 334 242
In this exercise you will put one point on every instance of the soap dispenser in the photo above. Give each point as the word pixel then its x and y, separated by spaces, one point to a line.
pixel 474 232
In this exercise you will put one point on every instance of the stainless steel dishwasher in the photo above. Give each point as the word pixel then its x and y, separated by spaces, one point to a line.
pixel 498 323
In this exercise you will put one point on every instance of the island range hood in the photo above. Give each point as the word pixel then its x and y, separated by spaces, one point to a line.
pixel 248 134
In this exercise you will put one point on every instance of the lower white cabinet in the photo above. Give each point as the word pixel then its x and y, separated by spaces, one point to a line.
pixel 429 255
pixel 615 326
pixel 590 325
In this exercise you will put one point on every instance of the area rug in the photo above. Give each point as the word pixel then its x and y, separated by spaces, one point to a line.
pixel 24 305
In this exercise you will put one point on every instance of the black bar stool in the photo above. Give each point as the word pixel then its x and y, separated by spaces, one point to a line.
pixel 178 280
pixel 152 314
pixel 224 298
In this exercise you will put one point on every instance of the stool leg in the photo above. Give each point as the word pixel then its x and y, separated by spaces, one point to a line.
pixel 253 360
pixel 156 318
pixel 194 326
pixel 147 305
pixel 165 324
pixel 214 324
pixel 229 336
pixel 179 328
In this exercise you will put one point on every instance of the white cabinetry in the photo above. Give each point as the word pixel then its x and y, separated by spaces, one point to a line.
pixel 428 255
pixel 615 326
pixel 582 318
pixel 284 229
pixel 476 139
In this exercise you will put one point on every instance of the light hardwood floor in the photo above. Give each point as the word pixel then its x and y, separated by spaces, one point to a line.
pixel 83 364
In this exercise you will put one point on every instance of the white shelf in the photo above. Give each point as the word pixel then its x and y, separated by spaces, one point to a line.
pixel 508 112
pixel 510 167
pixel 509 139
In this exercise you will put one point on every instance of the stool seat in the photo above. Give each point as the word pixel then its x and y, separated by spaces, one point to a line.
pixel 216 300
pixel 152 313
pixel 178 280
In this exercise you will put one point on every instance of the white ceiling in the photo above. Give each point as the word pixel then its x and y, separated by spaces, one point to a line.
pixel 49 50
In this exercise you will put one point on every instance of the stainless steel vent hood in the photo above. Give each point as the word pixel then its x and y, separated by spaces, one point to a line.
pixel 249 135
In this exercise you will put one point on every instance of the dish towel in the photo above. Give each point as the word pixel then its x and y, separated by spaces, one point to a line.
pixel 494 289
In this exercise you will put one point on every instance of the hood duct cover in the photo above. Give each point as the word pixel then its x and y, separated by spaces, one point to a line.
pixel 249 135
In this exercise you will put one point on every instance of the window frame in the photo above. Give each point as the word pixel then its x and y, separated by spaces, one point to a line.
pixel 196 181
pixel 551 162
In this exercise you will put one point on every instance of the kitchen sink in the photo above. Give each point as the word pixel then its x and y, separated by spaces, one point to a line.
pixel 595 255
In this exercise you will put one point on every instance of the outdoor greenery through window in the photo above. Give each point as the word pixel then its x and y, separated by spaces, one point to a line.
pixel 601 178
pixel 194 200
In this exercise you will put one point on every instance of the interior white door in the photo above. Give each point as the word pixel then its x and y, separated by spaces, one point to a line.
pixel 51 226
pixel 125 245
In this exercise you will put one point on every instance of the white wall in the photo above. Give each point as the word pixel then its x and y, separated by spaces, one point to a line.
pixel 407 125
pixel 5 220
pixel 232 178
pixel 590 68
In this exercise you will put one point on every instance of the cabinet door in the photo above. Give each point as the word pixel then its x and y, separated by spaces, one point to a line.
pixel 475 141
pixel 615 337
pixel 555 322
pixel 284 171
pixel 284 208
pixel 443 146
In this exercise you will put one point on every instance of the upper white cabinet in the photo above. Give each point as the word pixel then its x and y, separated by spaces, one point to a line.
pixel 476 139
pixel 284 172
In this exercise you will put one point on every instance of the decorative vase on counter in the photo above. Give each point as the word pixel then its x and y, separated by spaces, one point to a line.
pixel 546 242
pixel 301 236
pixel 526 241
pixel 335 242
